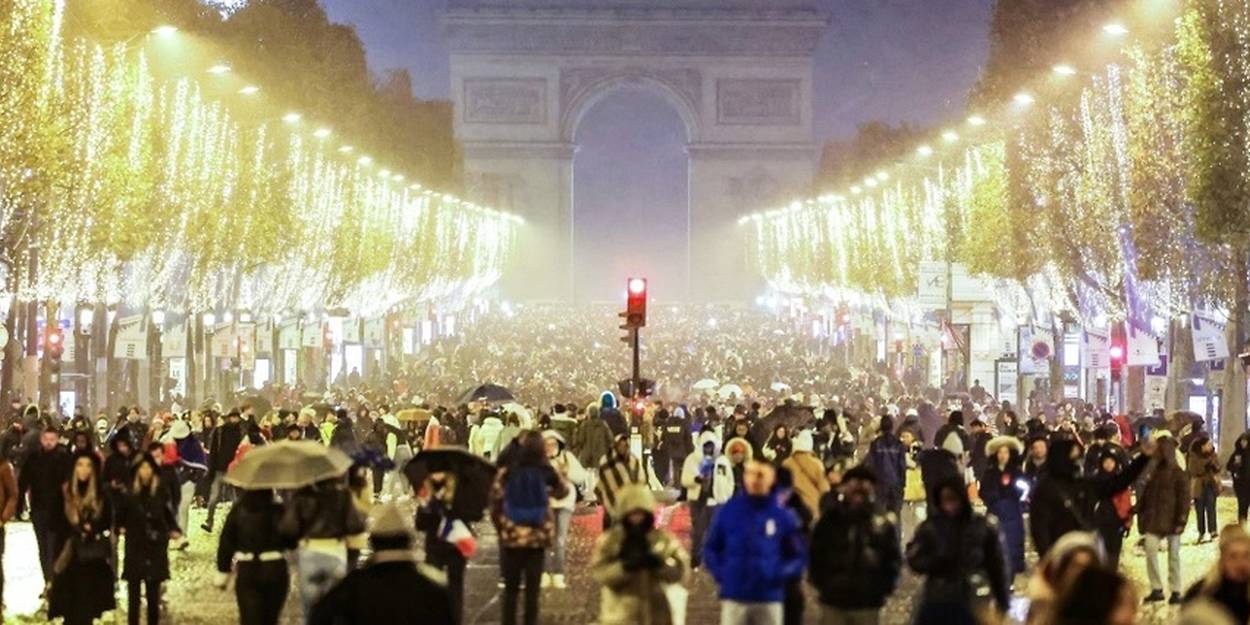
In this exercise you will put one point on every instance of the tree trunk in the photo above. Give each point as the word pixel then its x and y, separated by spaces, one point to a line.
pixel 12 349
pixel 1180 361
pixel 1233 401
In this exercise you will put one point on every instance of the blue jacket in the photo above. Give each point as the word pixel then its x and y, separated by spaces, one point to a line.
pixel 753 548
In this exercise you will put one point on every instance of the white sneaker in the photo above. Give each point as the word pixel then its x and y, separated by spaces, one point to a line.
pixel 546 583
pixel 557 580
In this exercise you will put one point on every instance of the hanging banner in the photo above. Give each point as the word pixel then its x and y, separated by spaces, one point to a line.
pixel 174 342
pixel 264 337
pixel 132 338
pixel 1143 347
pixel 288 336
pixel 1210 341
pixel 245 338
pixel 1097 349
pixel 1006 380
pixel 1036 350
pixel 351 330
pixel 311 335
pixel 375 332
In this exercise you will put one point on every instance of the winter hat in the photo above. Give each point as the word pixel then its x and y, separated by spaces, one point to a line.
pixel 1072 542
pixel 998 442
pixel 953 444
pixel 556 436
pixel 390 529
pixel 179 429
pixel 607 400
pixel 803 441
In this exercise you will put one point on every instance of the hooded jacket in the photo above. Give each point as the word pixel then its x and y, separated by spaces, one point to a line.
pixel 1239 465
pixel 808 473
pixel 754 548
pixel 484 437
pixel 1163 501
pixel 951 552
pixel 636 596
pixel 1063 501
pixel 569 468
pixel 856 557
pixel 694 477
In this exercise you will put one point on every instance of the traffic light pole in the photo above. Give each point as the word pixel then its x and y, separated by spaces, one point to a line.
pixel 637 375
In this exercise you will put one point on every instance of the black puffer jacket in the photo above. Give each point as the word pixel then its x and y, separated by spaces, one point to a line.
pixel 855 558
pixel 148 518
pixel 1063 501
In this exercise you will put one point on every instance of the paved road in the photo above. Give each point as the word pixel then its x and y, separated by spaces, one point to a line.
pixel 191 600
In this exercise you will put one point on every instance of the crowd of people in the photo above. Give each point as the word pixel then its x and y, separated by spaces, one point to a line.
pixel 817 480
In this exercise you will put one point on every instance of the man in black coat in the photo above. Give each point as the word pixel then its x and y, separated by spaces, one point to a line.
pixel 222 446
pixel 42 475
pixel 392 587
pixel 676 443
pixel 855 554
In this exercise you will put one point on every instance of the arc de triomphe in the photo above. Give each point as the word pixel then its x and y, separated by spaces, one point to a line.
pixel 738 73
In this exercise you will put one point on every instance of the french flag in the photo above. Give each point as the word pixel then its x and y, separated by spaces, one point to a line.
pixel 454 531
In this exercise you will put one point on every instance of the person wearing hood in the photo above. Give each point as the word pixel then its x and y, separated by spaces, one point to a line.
pixel 954 427
pixel 807 472
pixel 674 446
pixel 708 478
pixel 619 470
pixel 754 548
pixel 1238 468
pixel 636 563
pixel 393 586
pixel 1055 574
pixel 1228 582
pixel 740 453
pixel 344 435
pixel 145 517
pixel 593 441
pixel 1203 467
pixel 888 460
pixel 1003 496
pixel 1064 501
pixel 191 469
pixel 1162 512
pixel 565 424
pixel 959 553
pixel 485 436
pixel 855 553
pixel 117 464
pixel 778 446
pixel 610 413
pixel 573 473
pixel 1038 449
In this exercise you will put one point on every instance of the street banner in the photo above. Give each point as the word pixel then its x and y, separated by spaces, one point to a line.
pixel 132 338
pixel 932 279
pixel 351 330
pixel 311 335
pixel 375 332
pixel 1156 391
pixel 1035 350
pixel 1143 347
pixel 264 337
pixel 174 342
pixel 1210 340
pixel 288 336
pixel 1097 349
pixel 1006 380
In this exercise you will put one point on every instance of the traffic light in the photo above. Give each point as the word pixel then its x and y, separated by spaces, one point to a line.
pixel 636 303
pixel 54 343
pixel 1118 351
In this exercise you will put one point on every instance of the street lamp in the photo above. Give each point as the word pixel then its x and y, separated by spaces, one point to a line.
pixel 158 318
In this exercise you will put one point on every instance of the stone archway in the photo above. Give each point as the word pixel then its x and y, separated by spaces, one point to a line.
pixel 738 72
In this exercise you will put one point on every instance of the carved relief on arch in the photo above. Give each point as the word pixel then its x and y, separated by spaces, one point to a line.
pixel 578 84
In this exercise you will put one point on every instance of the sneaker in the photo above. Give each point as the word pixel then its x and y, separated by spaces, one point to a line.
pixel 1175 599
pixel 1155 596
pixel 557 581
pixel 546 582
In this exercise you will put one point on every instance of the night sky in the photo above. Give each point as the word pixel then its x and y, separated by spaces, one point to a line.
pixel 888 60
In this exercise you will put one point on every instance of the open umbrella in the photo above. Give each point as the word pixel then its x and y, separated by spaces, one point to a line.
pixel 474 477
pixel 779 387
pixel 288 465
pixel 486 392
pixel 707 384
pixel 730 390
pixel 413 414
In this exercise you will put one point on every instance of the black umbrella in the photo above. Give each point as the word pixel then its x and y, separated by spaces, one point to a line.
pixel 474 477
pixel 486 392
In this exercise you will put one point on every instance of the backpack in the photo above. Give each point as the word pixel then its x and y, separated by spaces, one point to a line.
pixel 1123 502
pixel 525 499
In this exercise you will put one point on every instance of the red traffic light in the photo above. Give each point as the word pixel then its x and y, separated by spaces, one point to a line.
pixel 54 343
pixel 1117 352
pixel 636 303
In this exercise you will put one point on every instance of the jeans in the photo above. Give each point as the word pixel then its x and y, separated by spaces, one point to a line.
pixel 1174 562
pixel 735 613
pixel 150 587
pixel 48 538
pixel 184 507
pixel 215 493
pixel 838 616
pixel 261 590
pixel 318 572
pixel 700 518
pixel 1113 540
pixel 517 564
pixel 448 559
pixel 555 555
pixel 1204 506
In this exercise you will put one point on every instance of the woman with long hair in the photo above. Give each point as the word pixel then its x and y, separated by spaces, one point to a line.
pixel 146 519
pixel 82 585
